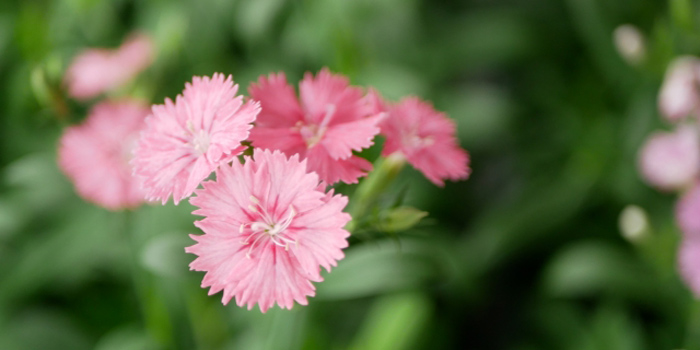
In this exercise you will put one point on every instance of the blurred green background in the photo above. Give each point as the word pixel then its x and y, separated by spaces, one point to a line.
pixel 527 254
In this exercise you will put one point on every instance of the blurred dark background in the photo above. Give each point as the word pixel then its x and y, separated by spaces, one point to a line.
pixel 526 254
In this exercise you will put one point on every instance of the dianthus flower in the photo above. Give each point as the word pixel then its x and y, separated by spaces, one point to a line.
pixel 95 71
pixel 688 212
pixel 330 121
pixel 185 141
pixel 678 97
pixel 689 263
pixel 95 155
pixel 267 231
pixel 671 160
pixel 424 137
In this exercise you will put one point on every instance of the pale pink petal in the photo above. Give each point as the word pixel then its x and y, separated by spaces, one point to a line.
pixel 95 71
pixel 286 140
pixel 329 93
pixel 342 139
pixel 136 53
pixel 324 233
pixel 688 212
pixel 267 231
pixel 95 155
pixel 375 101
pixel 443 160
pixel 671 160
pixel 347 170
pixel 185 141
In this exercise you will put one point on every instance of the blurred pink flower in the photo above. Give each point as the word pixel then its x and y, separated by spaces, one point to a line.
pixel 688 212
pixel 689 263
pixel 95 155
pixel 425 137
pixel 678 97
pixel 95 71
pixel 185 141
pixel 671 160
pixel 331 121
pixel 267 231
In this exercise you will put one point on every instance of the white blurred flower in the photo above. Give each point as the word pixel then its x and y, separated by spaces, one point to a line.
pixel 633 223
pixel 630 43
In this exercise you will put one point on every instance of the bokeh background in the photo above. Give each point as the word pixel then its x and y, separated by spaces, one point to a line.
pixel 526 254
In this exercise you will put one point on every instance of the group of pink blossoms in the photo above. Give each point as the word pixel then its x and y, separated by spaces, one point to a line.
pixel 670 161
pixel 269 223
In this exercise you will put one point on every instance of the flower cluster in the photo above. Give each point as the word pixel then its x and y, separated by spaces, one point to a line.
pixel 269 222
pixel 670 160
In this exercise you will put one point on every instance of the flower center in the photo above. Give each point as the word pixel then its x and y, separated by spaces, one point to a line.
pixel 415 141
pixel 267 228
pixel 312 133
pixel 199 141
pixel 412 139
pixel 126 150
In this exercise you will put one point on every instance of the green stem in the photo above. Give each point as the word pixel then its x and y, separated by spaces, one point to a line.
pixel 692 337
pixel 385 171
pixel 207 322
pixel 153 310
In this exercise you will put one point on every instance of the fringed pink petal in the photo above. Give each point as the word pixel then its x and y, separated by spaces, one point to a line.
pixel 187 140
pixel 267 231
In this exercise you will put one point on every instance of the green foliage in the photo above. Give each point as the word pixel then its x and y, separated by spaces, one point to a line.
pixel 524 255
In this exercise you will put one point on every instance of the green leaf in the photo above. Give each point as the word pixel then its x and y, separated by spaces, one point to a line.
pixel 275 329
pixel 394 323
pixel 165 256
pixel 596 268
pixel 682 13
pixel 42 329
pixel 614 329
pixel 126 338
pixel 376 268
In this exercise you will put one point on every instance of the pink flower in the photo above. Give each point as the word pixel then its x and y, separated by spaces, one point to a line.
pixel 267 231
pixel 95 155
pixel 95 71
pixel 678 97
pixel 671 160
pixel 426 138
pixel 688 212
pixel 689 263
pixel 186 140
pixel 330 122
